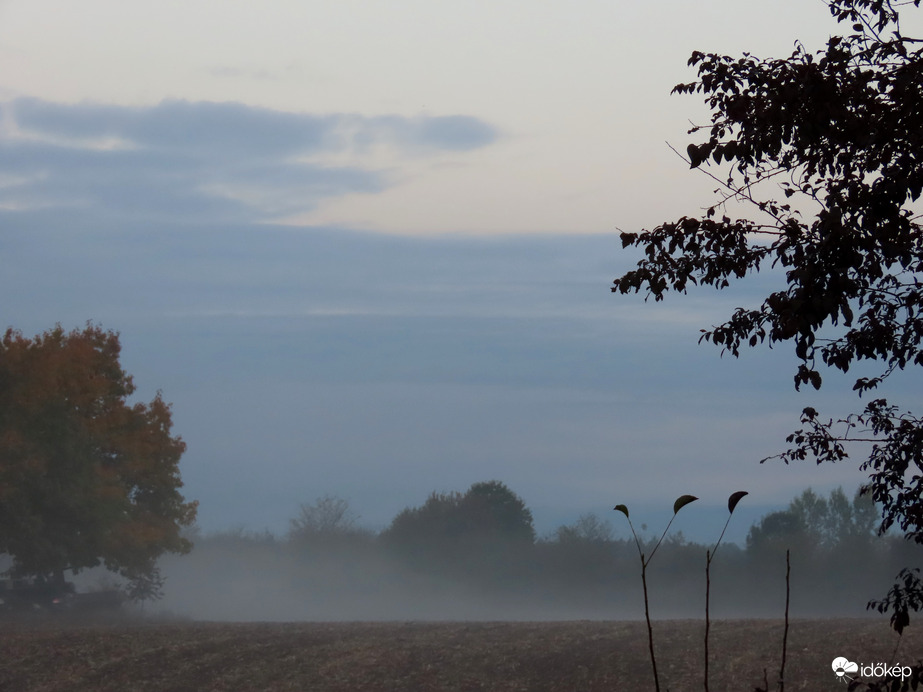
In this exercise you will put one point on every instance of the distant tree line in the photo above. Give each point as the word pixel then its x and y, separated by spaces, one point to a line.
pixel 476 554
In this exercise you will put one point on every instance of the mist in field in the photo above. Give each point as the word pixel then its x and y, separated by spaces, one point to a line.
pixel 264 583
pixel 429 565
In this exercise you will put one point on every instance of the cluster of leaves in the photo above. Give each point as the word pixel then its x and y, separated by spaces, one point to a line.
pixel 904 596
pixel 896 452
pixel 86 478
pixel 839 130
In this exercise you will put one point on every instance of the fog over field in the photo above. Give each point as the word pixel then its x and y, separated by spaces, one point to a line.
pixel 420 568
pixel 252 587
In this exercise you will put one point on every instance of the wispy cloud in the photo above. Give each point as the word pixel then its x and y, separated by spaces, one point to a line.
pixel 203 159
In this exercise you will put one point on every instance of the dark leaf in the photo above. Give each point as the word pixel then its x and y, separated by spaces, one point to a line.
pixel 682 501
pixel 735 498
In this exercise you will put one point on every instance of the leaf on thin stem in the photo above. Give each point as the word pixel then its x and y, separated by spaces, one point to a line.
pixel 735 498
pixel 682 501
pixel 623 509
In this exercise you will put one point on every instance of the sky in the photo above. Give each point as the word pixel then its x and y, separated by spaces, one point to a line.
pixel 365 248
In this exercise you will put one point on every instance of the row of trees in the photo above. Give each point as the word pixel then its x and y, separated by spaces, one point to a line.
pixel 479 548
pixel 489 513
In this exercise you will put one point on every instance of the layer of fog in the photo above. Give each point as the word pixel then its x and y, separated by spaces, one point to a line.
pixel 259 579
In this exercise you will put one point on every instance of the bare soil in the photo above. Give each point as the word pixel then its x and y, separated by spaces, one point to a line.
pixel 414 656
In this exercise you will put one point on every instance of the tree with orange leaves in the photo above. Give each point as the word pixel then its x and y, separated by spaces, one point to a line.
pixel 86 478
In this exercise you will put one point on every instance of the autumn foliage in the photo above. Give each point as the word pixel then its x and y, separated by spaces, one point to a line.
pixel 86 477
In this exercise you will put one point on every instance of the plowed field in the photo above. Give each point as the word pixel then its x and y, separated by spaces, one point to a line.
pixel 367 657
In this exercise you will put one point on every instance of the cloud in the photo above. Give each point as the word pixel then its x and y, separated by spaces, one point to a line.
pixel 203 159
pixel 454 132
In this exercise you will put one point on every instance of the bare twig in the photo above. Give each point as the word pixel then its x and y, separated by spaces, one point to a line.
pixel 708 556
pixel 788 571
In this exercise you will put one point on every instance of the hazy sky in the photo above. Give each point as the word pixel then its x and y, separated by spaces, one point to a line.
pixel 365 247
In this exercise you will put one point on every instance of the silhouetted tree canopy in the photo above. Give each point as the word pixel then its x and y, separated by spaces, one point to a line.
pixel 826 149
pixel 85 477
pixel 328 515
pixel 492 508
pixel 815 523
pixel 452 525
pixel 588 528
pixel 327 525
